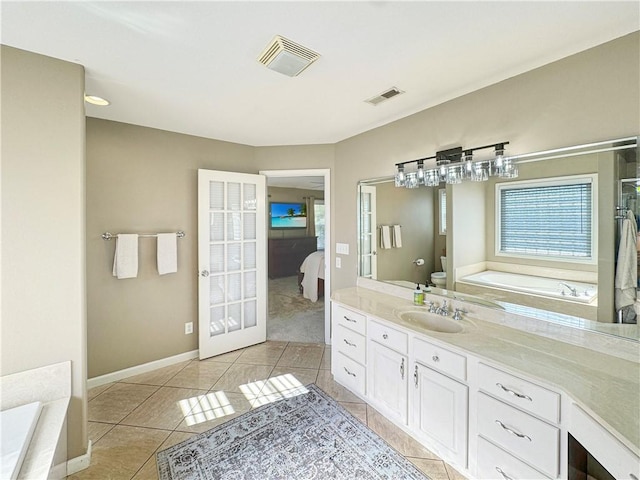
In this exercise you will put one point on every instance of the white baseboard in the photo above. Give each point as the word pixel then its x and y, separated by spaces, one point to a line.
pixel 137 370
pixel 79 463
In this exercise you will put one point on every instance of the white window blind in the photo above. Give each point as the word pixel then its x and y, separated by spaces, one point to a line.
pixel 443 211
pixel 553 220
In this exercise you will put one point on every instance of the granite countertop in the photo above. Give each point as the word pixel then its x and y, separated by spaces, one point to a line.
pixel 606 386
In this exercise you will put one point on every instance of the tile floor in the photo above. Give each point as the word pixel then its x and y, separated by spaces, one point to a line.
pixel 131 420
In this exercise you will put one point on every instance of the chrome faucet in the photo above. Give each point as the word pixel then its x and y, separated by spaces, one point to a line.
pixel 457 315
pixel 443 310
pixel 573 290
pixel 432 307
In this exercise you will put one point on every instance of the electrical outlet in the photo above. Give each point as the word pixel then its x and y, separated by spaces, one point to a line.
pixel 338 262
pixel 188 328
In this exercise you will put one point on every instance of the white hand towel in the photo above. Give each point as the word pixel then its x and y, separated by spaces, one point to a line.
pixel 397 236
pixel 385 237
pixel 626 279
pixel 167 253
pixel 125 260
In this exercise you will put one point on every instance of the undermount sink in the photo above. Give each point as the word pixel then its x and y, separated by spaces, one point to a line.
pixel 431 321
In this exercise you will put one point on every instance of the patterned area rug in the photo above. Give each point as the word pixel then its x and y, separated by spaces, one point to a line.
pixel 308 436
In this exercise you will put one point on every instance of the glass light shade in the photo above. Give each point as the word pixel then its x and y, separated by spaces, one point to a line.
pixel 480 172
pixel 400 176
pixel 509 169
pixel 454 175
pixel 432 178
pixel 412 180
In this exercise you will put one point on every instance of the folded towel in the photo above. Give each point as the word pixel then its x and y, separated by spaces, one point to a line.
pixel 385 237
pixel 125 260
pixel 397 236
pixel 167 253
pixel 627 267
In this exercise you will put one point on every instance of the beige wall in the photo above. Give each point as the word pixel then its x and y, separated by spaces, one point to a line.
pixel 43 244
pixel 145 180
pixel 413 209
pixel 594 95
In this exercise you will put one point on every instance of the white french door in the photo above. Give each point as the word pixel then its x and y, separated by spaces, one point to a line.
pixel 232 290
pixel 368 229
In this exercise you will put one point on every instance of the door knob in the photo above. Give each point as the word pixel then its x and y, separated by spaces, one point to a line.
pixel 204 273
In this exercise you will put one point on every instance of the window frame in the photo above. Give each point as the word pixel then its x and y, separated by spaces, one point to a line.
pixel 550 182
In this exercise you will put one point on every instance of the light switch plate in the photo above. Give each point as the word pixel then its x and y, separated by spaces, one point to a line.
pixel 338 262
pixel 342 248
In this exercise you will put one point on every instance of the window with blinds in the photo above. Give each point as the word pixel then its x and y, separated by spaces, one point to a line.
pixel 547 219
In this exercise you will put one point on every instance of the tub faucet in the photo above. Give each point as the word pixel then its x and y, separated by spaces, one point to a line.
pixel 573 290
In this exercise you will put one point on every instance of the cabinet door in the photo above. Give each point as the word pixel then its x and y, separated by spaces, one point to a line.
pixel 439 411
pixel 387 381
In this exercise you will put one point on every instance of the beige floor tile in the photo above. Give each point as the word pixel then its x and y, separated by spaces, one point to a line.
pixel 213 409
pixel 267 353
pixel 302 355
pixel 118 401
pixel 242 378
pixel 358 410
pixel 121 452
pixel 333 389
pixel 96 430
pixel 434 469
pixel 165 409
pixel 157 377
pixel 95 391
pixel 200 375
pixel 453 473
pixel 229 357
pixel 396 437
pixel 325 364
pixel 149 470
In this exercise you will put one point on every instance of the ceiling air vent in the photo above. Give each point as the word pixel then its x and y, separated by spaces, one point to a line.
pixel 386 95
pixel 287 57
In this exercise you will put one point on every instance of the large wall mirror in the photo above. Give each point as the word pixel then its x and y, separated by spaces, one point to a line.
pixel 552 243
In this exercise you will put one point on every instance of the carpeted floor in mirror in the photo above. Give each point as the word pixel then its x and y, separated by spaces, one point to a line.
pixel 293 318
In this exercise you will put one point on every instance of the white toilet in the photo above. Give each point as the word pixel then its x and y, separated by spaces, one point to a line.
pixel 439 279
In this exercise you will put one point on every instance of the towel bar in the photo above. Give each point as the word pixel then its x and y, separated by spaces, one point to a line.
pixel 109 236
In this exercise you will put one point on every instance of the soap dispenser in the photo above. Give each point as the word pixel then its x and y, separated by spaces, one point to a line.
pixel 418 296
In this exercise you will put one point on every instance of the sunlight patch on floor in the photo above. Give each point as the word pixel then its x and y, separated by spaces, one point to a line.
pixel 205 407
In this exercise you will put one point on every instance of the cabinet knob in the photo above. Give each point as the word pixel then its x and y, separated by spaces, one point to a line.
pixel 385 336
pixel 435 358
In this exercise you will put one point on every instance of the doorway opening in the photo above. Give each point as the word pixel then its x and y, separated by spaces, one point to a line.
pixel 298 255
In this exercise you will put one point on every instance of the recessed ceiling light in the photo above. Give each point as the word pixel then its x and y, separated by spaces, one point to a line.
pixel 95 100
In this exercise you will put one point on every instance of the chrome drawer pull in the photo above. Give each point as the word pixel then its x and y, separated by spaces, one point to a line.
pixel 632 476
pixel 349 319
pixel 402 369
pixel 385 336
pixel 415 376
pixel 349 343
pixel 515 394
pixel 513 432
pixel 348 372
pixel 504 475
pixel 435 358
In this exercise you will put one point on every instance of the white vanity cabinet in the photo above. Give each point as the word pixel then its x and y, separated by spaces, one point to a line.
pixel 513 441
pixel 387 370
pixel 348 349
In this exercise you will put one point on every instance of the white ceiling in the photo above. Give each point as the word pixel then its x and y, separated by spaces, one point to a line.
pixel 191 67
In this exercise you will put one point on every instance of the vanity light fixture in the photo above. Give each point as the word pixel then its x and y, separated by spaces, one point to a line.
pixel 456 165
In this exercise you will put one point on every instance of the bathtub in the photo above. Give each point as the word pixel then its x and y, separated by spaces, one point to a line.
pixel 16 428
pixel 545 287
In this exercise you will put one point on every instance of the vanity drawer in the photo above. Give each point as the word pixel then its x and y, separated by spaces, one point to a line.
pixel 350 319
pixel 493 462
pixel 351 344
pixel 389 337
pixel 350 374
pixel 533 440
pixel 519 392
pixel 441 359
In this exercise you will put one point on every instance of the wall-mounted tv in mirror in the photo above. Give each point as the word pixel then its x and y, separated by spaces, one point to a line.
pixel 287 215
